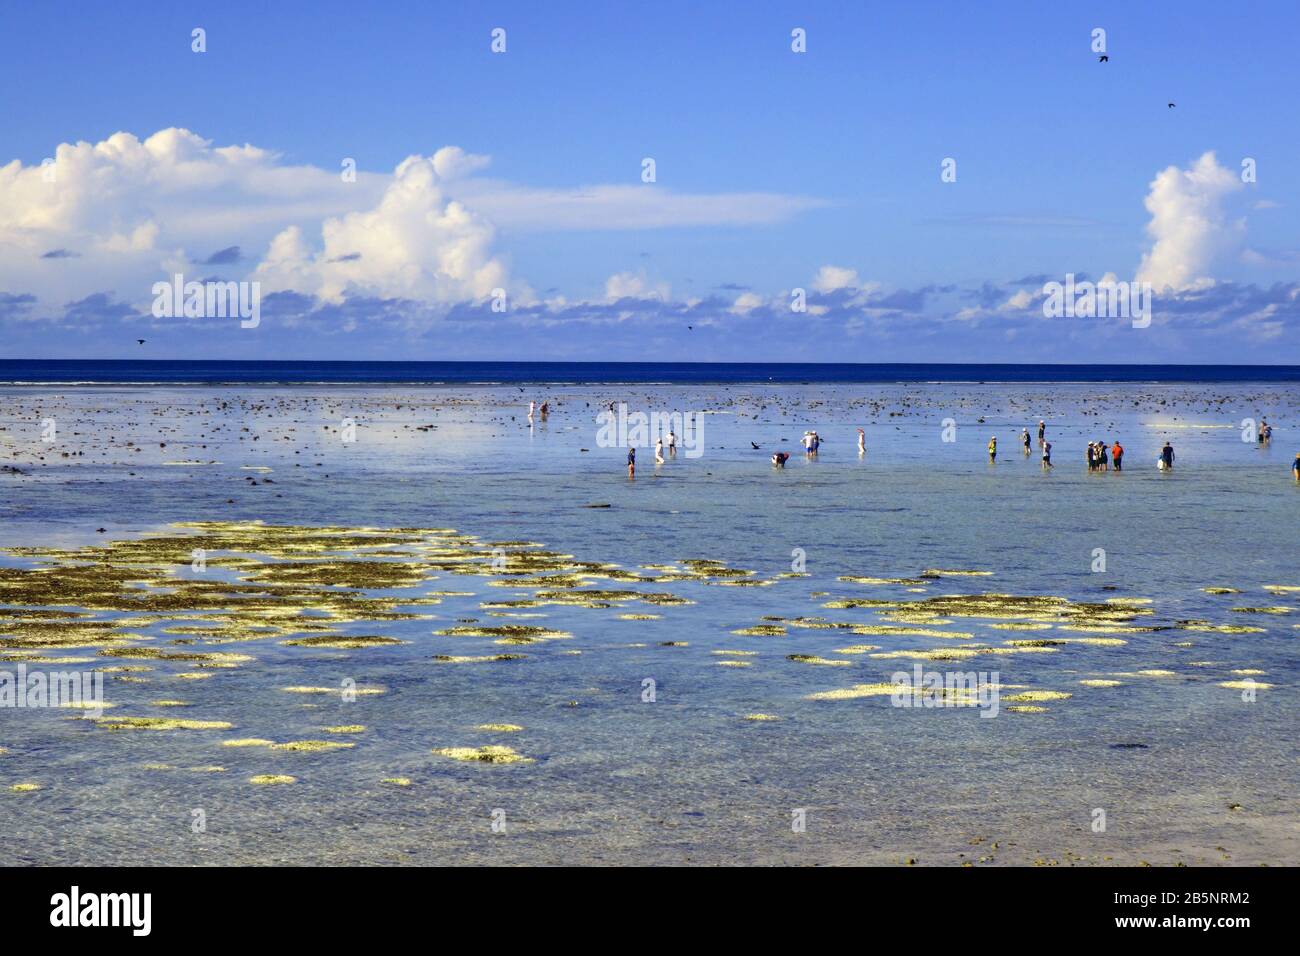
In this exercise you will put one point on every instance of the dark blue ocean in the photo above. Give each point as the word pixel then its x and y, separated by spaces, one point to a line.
pixel 90 371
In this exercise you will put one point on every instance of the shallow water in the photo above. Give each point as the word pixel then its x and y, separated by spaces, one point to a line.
pixel 687 778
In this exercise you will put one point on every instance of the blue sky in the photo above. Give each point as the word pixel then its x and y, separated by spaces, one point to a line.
pixel 771 168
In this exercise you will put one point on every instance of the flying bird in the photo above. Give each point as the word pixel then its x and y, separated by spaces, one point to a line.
pixel 753 446
pixel 1103 59
pixel 1171 105
pixel 139 341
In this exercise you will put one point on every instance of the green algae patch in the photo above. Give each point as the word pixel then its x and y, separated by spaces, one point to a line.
pixel 1026 709
pixel 1061 641
pixel 517 633
pixel 25 788
pixel 813 659
pixel 731 663
pixel 608 598
pixel 862 579
pixel 857 649
pixel 492 753
pixel 734 653
pixel 500 728
pixel 1245 685
pixel 247 742
pixel 345 729
pixel 159 723
pixel 345 643
pixel 1208 628
pixel 1221 590
pixel 1031 608
pixel 1263 610
pixel 312 746
pixel 761 630
pixel 761 717
pixel 1100 682
pixel 359 691
pixel 214 659
pixel 896 630
pixel 264 779
pixel 1022 626
pixel 397 781
pixel 854 692
pixel 1032 696
pixel 937 654
pixel 475 659
pixel 639 617
pixel 914 617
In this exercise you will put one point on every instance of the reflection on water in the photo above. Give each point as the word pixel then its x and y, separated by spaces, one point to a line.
pixel 469 635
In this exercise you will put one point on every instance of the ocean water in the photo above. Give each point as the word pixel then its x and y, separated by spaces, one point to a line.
pixel 216 372
pixel 1185 769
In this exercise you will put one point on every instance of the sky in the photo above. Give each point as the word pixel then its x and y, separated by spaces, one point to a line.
pixel 499 208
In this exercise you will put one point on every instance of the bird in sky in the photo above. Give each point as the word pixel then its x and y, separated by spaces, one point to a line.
pixel 1103 58
pixel 139 341
pixel 1171 105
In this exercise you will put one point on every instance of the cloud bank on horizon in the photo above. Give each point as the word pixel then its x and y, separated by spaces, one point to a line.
pixel 408 264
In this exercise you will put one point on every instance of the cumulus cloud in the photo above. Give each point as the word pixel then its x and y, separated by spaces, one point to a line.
pixel 118 215
pixel 123 212
pixel 834 278
pixel 634 285
pixel 745 303
pixel 1189 224
pixel 415 244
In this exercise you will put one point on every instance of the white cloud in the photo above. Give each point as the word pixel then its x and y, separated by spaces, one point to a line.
pixel 1189 225
pixel 415 244
pixel 127 212
pixel 745 303
pixel 522 208
pixel 834 278
pixel 122 213
pixel 634 285
pixel 1022 299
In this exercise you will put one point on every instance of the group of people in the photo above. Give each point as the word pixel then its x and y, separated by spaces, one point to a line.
pixel 1025 441
pixel 532 408
pixel 811 442
pixel 668 441
pixel 1100 457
